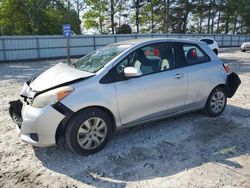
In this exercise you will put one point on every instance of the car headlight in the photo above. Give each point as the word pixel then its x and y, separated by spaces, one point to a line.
pixel 52 96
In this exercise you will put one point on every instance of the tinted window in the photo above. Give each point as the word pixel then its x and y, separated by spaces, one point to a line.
pixel 194 55
pixel 150 59
pixel 208 41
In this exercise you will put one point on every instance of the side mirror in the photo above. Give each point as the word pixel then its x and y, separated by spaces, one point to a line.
pixel 131 72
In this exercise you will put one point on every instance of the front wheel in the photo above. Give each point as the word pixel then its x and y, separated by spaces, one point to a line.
pixel 216 102
pixel 88 131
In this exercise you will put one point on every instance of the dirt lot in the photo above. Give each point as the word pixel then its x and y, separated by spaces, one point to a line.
pixel 191 150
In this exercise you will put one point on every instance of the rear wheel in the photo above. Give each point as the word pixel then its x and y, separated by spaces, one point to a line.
pixel 88 131
pixel 216 102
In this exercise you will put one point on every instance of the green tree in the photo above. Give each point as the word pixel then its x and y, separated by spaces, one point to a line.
pixel 40 17
pixel 96 16
pixel 151 16
pixel 79 7
pixel 124 29
pixel 116 6
pixel 13 20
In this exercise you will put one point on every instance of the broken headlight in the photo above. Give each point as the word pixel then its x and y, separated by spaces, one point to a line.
pixel 51 97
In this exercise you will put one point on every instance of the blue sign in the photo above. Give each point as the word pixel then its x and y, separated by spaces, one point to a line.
pixel 66 30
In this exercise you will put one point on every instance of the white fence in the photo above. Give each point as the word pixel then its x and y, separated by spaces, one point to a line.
pixel 18 48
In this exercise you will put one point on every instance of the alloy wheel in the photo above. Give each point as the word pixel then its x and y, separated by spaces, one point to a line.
pixel 92 133
pixel 218 101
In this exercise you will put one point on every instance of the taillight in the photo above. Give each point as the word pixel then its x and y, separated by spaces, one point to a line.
pixel 226 67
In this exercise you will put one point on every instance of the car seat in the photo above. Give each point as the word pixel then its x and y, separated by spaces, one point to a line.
pixel 168 60
pixel 191 56
pixel 147 66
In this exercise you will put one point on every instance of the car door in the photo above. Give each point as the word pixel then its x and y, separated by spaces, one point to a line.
pixel 160 90
pixel 200 72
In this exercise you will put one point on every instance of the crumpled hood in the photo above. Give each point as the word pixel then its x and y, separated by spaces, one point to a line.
pixel 59 74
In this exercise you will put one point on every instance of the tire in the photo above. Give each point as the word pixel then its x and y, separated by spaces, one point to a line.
pixel 216 102
pixel 88 131
pixel 243 50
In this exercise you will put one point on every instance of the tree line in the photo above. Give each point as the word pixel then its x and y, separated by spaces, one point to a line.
pixel 45 17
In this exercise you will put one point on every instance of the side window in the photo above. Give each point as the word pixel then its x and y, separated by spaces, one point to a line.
pixel 150 59
pixel 194 55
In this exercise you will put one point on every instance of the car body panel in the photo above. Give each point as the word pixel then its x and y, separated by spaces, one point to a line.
pixel 132 101
pixel 202 78
pixel 42 121
pixel 158 97
pixel 92 94
pixel 56 75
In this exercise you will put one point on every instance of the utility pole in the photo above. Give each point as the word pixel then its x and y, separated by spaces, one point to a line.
pixel 137 12
pixel 112 16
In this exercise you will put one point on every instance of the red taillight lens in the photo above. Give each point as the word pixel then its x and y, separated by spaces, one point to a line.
pixel 226 67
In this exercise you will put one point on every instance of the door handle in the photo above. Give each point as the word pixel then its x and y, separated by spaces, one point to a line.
pixel 179 75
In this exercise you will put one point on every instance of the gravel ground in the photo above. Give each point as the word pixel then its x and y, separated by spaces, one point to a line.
pixel 191 150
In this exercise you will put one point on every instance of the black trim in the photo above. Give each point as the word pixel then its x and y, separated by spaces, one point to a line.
pixel 62 109
pixel 34 136
pixel 15 111
pixel 109 77
pixel 233 82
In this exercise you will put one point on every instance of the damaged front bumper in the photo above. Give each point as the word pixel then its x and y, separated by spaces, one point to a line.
pixel 36 126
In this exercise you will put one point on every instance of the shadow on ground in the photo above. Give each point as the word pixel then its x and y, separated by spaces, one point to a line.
pixel 159 150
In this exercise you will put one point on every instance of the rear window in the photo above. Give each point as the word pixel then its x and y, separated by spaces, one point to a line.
pixel 194 55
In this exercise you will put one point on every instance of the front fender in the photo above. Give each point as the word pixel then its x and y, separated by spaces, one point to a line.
pixel 103 95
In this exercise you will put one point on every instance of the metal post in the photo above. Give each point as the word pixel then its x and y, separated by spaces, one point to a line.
pixel 4 51
pixel 115 39
pixel 68 50
pixel 231 40
pixel 222 42
pixel 94 42
pixel 238 40
pixel 37 48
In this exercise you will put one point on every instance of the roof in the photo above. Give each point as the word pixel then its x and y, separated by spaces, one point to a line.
pixel 146 40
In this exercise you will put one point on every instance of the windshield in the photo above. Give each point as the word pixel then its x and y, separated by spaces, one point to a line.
pixel 98 59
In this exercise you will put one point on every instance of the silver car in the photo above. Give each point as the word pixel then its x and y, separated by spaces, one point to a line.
pixel 121 85
pixel 245 46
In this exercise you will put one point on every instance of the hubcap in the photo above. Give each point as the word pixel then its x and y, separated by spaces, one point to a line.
pixel 92 133
pixel 218 102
